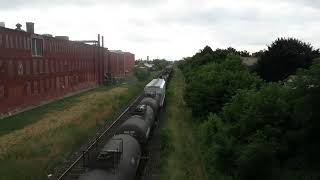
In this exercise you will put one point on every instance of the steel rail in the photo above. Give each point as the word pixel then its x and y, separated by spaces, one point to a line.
pixel 99 137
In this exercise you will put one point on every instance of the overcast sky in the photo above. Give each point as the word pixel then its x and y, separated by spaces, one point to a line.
pixel 170 29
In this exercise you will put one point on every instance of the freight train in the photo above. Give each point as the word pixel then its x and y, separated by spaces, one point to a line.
pixel 120 157
pixel 38 68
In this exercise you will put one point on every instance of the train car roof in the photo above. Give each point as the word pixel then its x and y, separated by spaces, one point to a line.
pixel 156 83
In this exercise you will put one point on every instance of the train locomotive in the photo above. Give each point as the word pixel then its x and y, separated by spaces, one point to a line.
pixel 120 157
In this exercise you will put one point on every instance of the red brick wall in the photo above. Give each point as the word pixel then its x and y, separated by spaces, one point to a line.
pixel 65 67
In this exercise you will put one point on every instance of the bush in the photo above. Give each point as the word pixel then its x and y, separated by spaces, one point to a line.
pixel 257 159
pixel 141 74
pixel 253 129
pixel 212 85
pixel 160 64
pixel 166 141
pixel 270 133
pixel 217 147
pixel 284 57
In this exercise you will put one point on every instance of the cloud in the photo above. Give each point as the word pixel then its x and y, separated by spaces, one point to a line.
pixel 171 29
pixel 21 4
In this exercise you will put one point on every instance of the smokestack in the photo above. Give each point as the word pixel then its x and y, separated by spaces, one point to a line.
pixel 30 27
pixel 102 39
pixel 2 24
pixel 98 39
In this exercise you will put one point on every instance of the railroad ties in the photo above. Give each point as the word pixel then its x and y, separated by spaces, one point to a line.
pixel 150 160
pixel 72 168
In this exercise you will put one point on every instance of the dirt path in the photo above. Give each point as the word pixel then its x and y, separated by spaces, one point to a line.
pixel 184 159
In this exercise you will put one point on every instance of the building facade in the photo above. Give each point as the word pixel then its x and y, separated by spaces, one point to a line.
pixel 37 68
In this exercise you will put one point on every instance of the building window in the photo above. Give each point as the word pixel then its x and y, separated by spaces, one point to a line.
pixel 20 68
pixel 37 47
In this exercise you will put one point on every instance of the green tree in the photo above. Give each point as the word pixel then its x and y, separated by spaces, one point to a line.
pixel 160 64
pixel 274 130
pixel 141 74
pixel 284 57
pixel 212 85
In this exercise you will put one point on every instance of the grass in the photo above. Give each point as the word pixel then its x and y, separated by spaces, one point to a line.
pixel 180 156
pixel 23 119
pixel 34 142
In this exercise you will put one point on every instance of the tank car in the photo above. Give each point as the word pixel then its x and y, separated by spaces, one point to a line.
pixel 137 127
pixel 152 102
pixel 147 112
pixel 118 160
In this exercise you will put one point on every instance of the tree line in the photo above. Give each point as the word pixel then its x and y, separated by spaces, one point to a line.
pixel 260 122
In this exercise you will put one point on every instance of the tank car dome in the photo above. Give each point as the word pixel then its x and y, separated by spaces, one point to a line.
pixel 154 104
pixel 128 153
pixel 137 127
pixel 145 112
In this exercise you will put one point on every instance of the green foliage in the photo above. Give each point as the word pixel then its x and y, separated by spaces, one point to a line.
pixel 269 133
pixel 252 129
pixel 306 114
pixel 256 160
pixel 160 64
pixel 212 85
pixel 217 147
pixel 166 141
pixel 284 57
pixel 141 74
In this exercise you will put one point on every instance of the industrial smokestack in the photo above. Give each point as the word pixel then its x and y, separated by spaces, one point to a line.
pixel 2 24
pixel 102 39
pixel 98 39
pixel 30 27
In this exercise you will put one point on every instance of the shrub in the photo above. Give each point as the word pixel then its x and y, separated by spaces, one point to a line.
pixel 141 74
pixel 214 84
pixel 284 57
pixel 166 141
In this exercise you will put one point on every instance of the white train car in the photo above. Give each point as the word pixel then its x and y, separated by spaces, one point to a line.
pixel 156 88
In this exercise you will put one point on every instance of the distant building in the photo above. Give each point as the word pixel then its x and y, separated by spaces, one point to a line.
pixel 249 61
pixel 148 65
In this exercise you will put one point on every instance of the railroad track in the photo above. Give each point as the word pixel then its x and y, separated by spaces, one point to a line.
pixel 74 166
pixel 150 169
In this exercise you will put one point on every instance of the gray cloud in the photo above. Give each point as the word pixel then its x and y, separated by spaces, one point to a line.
pixel 210 16
pixel 144 38
pixel 310 3
pixel 20 4
pixel 222 15
pixel 158 27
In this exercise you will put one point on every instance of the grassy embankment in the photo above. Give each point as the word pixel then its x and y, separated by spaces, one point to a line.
pixel 34 142
pixel 180 156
